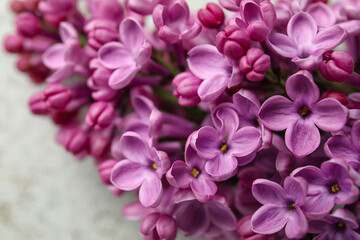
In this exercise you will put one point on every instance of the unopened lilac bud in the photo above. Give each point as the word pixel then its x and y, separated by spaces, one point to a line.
pixel 23 64
pixel 212 16
pixel 254 64
pixel 17 6
pixel 100 115
pixel 28 24
pixel 38 74
pixel 13 43
pixel 53 20
pixel 186 85
pixel 101 32
pixel 76 141
pixel 37 104
pixel 62 117
pixel 105 169
pixel 31 5
pixel 233 42
pixel 158 226
pixel 101 76
pixel 57 96
pixel 337 66
pixel 99 145
pixel 341 97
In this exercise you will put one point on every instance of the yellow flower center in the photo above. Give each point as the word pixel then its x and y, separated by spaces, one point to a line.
pixel 195 172
pixel 224 147
pixel 334 188
pixel 154 166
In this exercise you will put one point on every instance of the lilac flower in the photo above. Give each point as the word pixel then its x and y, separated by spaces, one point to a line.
pixel 142 167
pixel 192 173
pixel 174 22
pixel 126 58
pixel 339 225
pixel 258 17
pixel 282 207
pixel 301 116
pixel 328 186
pixel 303 44
pixel 195 218
pixel 65 58
pixel 224 145
pixel 217 71
pixel 247 105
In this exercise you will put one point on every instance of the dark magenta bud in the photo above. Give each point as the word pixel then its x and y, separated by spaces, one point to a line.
pixel 100 115
pixel 337 66
pixel 254 64
pixel 212 16
pixel 57 96
pixel 341 97
pixel 13 43
pixel 28 24
pixel 233 42
pixel 186 85
pixel 105 169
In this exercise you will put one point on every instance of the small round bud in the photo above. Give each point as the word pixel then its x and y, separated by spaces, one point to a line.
pixel 211 17
pixel 57 96
pixel 28 24
pixel 186 85
pixel 254 64
pixel 13 43
pixel 100 115
pixel 337 66
pixel 341 97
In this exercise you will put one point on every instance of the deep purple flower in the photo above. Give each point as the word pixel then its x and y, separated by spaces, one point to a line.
pixel 128 57
pixel 303 43
pixel 328 186
pixel 192 173
pixel 65 58
pixel 339 225
pixel 282 207
pixel 225 146
pixel 217 71
pixel 174 22
pixel 195 218
pixel 301 116
pixel 142 167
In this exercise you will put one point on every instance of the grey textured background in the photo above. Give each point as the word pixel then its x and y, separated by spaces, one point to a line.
pixel 44 193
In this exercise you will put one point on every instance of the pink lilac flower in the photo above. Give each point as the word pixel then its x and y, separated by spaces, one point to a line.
pixel 282 207
pixel 303 43
pixel 192 173
pixel 174 22
pixel 65 58
pixel 216 71
pixel 339 225
pixel 128 57
pixel 329 185
pixel 301 116
pixel 142 167
pixel 225 146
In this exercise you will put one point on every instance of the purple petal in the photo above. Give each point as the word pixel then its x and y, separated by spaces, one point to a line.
pixel 296 189
pixel 135 211
pixel 282 44
pixel 311 62
pixel 131 35
pixel 355 134
pixel 269 219
pixel 123 76
pixel 134 148
pixel 203 188
pixel 230 5
pixel 330 37
pixel 61 74
pixel 68 32
pixel 278 113
pixel 192 31
pixel 221 216
pixel 341 147
pixel 148 223
pixel 302 138
pixel 346 215
pixel 221 167
pixel 127 175
pixel 329 115
pixel 245 141
pixel 319 205
pixel 251 11
pixel 335 170
pixel 192 218
pixel 168 34
pixel 179 175
pixel 179 14
pixel 225 118
pixel 268 192
pixel 322 13
pixel 302 29
pixel 205 61
pixel 246 103
pixel 150 190
pixel 301 88
pixel 113 55
pixel 297 225
pixel 207 142
pixel 211 88
pixel 191 156
pixel 54 56
pixel 312 175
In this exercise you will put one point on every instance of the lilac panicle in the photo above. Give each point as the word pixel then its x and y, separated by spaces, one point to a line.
pixel 128 57
pixel 303 44
pixel 174 22
pixel 301 116
pixel 281 207
pixel 142 167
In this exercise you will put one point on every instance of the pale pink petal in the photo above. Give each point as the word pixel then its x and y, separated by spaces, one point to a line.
pixel 150 191
pixel 282 44
pixel 302 28
pixel 269 219
pixel 54 56
pixel 211 88
pixel 131 34
pixel 127 175
pixel 122 76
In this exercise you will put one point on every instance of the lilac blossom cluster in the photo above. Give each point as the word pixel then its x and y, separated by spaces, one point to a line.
pixel 236 124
